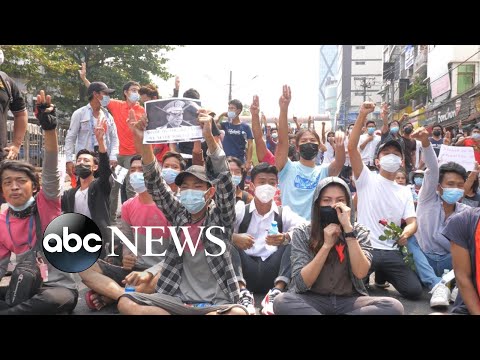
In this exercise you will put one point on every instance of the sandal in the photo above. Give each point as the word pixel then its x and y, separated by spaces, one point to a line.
pixel 91 295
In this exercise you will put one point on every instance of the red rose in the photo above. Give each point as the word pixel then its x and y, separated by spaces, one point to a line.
pixel 383 222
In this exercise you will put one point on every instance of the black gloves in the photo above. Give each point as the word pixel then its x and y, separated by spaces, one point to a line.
pixel 48 120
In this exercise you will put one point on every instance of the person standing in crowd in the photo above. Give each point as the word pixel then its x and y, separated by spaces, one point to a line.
pixel 120 111
pixel 330 257
pixel 92 197
pixel 396 204
pixel 473 141
pixel 298 179
pixel 437 138
pixel 463 232
pixel 31 208
pixel 368 144
pixel 390 130
pixel 410 147
pixel 238 140
pixel 80 134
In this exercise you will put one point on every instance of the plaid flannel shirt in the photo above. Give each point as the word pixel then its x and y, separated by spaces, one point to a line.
pixel 220 213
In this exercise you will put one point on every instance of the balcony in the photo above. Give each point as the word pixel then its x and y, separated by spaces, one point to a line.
pixel 420 64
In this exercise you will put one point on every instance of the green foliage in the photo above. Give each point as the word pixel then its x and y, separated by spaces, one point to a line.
pixel 55 68
pixel 417 90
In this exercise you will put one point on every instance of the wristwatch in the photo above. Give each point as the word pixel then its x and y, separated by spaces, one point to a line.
pixel 352 234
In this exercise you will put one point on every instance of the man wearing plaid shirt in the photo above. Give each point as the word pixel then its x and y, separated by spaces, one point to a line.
pixel 198 282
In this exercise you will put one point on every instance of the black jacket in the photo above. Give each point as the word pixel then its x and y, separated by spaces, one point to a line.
pixel 98 197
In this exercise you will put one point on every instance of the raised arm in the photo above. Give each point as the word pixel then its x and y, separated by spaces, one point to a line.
pixel 281 155
pixel 384 116
pixel 260 145
pixel 336 165
pixel 83 74
pixel 355 156
pixel 104 164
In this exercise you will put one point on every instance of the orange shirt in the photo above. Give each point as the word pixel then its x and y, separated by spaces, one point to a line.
pixel 119 110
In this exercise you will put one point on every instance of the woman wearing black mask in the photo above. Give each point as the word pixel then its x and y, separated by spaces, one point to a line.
pixel 329 258
pixel 298 179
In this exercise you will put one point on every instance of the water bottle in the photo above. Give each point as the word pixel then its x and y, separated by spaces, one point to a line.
pixel 129 288
pixel 272 231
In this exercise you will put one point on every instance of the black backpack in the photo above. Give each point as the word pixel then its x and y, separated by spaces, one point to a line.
pixel 26 278
pixel 247 217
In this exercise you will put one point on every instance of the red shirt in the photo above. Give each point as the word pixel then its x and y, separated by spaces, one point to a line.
pixel 119 110
pixel 476 148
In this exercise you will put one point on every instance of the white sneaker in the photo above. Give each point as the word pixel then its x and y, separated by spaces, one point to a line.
pixel 440 295
pixel 453 295
pixel 267 302
pixel 247 300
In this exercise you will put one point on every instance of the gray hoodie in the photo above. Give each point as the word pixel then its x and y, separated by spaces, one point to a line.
pixel 302 255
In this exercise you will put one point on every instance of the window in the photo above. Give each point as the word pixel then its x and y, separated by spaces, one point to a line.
pixel 359 47
pixel 359 62
pixel 466 78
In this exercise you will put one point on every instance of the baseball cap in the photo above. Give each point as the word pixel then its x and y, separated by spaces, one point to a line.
pixel 99 86
pixel 195 170
pixel 394 143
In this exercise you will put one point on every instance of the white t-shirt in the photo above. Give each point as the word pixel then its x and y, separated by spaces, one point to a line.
pixel 329 155
pixel 81 203
pixel 368 153
pixel 380 198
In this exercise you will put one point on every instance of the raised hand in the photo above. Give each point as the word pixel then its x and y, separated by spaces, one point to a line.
pixel 285 99
pixel 367 107
pixel 420 134
pixel 45 111
pixel 100 130
pixel 385 110
pixel 83 71
pixel 343 213
pixel 339 139
pixel 447 140
pixel 255 107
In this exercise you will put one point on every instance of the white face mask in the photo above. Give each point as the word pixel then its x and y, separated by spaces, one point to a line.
pixel 390 163
pixel 265 193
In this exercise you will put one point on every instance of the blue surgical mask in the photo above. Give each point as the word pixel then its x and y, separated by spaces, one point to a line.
pixel 274 135
pixel 452 195
pixel 418 181
pixel 231 114
pixel 138 183
pixel 134 97
pixel 24 206
pixel 105 101
pixel 394 130
pixel 476 136
pixel 236 179
pixel 169 175
pixel 193 200
pixel 371 130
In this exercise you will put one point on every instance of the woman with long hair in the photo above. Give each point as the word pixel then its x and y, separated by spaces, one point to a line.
pixel 330 257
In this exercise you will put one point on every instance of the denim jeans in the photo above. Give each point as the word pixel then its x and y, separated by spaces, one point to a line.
pixel 423 268
pixel 440 262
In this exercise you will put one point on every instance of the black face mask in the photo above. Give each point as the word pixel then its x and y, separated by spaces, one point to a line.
pixel 408 130
pixel 437 133
pixel 84 171
pixel 308 151
pixel 328 215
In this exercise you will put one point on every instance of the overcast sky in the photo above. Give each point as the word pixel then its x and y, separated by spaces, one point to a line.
pixel 257 69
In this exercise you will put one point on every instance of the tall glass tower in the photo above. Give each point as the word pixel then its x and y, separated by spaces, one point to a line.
pixel 328 67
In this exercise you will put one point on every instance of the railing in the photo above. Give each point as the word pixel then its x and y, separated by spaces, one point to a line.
pixel 420 60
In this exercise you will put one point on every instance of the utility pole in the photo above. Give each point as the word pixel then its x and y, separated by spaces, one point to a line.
pixel 230 88
pixel 365 85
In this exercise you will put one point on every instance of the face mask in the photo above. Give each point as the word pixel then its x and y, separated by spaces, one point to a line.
pixel 105 101
pixel 138 183
pixel 274 135
pixel 308 151
pixel 371 130
pixel 236 179
pixel 169 175
pixel 390 163
pixel 193 200
pixel 476 136
pixel 134 97
pixel 265 193
pixel 231 114
pixel 436 133
pixel 452 195
pixel 24 206
pixel 328 215
pixel 418 181
pixel 408 130
pixel 84 171
pixel 394 130
pixel 1 57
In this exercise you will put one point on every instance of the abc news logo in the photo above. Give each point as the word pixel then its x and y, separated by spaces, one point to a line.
pixel 72 242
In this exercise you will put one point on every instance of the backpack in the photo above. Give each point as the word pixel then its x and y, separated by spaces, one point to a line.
pixel 6 84
pixel 247 217
pixel 26 278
